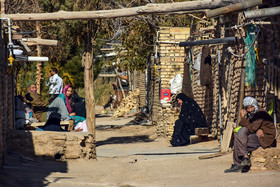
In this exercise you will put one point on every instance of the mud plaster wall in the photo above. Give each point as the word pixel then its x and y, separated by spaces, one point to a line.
pixel 54 145
pixel 268 41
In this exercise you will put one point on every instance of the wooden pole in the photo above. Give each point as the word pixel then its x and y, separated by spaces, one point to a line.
pixel 2 8
pixel 89 81
pixel 241 93
pixel 207 42
pixel 129 80
pixel 233 8
pixel 120 83
pixel 39 64
pixel 124 12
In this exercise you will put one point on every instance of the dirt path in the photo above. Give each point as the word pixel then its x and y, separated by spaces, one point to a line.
pixel 130 156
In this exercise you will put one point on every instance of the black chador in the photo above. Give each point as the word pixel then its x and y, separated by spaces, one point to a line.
pixel 190 117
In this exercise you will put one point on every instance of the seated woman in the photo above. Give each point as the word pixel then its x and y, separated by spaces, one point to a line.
pixel 190 117
pixel 79 122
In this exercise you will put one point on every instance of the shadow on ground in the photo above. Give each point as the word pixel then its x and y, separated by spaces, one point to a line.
pixel 22 168
pixel 178 153
pixel 19 170
pixel 102 115
pixel 124 140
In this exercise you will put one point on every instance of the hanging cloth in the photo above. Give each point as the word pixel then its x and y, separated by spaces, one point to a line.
pixel 205 67
pixel 250 69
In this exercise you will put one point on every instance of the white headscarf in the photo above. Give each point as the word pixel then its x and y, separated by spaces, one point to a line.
pixel 250 101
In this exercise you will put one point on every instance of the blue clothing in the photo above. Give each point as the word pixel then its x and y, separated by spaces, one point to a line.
pixel 76 119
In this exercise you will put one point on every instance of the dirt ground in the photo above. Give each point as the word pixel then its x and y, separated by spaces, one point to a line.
pixel 132 156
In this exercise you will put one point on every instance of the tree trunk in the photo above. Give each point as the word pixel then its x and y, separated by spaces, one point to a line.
pixel 89 82
pixel 125 12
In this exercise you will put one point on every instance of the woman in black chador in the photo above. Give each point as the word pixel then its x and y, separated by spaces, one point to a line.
pixel 190 117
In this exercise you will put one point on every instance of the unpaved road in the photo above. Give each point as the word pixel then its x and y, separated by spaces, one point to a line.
pixel 129 156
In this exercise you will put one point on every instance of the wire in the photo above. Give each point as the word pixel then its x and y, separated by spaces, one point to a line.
pixel 269 29
pixel 242 55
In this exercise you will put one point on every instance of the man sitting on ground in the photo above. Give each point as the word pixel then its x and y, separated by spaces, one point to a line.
pixel 257 130
pixel 41 108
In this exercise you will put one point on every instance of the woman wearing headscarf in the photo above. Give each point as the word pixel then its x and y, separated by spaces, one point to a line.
pixel 190 117
pixel 79 122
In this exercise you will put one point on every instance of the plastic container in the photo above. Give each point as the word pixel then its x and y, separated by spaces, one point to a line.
pixel 165 95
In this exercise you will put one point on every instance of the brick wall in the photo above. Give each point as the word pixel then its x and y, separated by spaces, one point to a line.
pixel 171 62
pixel 171 56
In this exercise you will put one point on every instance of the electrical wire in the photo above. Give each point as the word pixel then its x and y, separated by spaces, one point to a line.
pixel 229 49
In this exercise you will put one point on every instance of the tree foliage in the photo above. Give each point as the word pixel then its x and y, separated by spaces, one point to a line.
pixel 136 35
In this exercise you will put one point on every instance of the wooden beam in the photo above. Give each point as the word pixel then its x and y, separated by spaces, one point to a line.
pixel 233 8
pixel 107 75
pixel 39 41
pixel 227 136
pixel 124 12
pixel 213 155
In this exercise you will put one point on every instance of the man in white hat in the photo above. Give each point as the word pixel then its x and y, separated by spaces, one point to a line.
pixel 257 130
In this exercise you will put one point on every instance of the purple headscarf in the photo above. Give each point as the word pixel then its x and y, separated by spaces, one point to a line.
pixel 68 106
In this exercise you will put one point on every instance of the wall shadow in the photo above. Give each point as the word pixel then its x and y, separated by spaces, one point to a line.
pixel 22 168
pixel 124 140
pixel 178 153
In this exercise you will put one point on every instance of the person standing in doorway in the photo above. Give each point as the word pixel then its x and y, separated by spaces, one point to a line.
pixel 55 85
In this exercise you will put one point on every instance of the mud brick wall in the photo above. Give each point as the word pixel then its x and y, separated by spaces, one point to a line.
pixel 231 68
pixel 2 117
pixel 269 49
pixel 142 88
pixel 6 96
pixel 155 96
pixel 54 145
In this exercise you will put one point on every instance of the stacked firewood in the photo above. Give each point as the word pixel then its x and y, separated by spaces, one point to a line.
pixel 127 104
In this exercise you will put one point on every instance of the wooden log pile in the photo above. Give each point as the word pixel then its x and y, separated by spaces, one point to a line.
pixel 127 104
